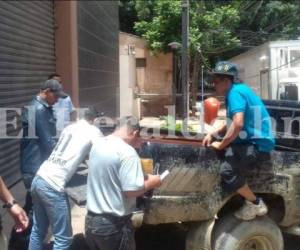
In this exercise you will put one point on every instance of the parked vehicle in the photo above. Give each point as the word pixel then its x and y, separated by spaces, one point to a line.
pixel 192 193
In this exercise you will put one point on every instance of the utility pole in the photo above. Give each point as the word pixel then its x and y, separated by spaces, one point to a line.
pixel 174 47
pixel 202 124
pixel 185 62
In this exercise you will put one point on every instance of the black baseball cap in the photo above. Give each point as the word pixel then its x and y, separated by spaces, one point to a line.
pixel 55 87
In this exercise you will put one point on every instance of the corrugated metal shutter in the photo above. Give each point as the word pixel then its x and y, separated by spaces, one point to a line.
pixel 27 57
pixel 98 55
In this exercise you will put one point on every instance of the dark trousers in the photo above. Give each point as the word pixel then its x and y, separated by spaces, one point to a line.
pixel 108 232
pixel 237 159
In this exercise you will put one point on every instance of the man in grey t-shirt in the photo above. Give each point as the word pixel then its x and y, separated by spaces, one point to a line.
pixel 115 180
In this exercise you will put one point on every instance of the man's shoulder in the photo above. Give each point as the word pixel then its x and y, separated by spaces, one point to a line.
pixel 128 151
pixel 34 105
pixel 240 89
pixel 39 105
pixel 123 149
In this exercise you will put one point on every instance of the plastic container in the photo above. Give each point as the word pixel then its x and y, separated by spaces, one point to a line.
pixel 211 109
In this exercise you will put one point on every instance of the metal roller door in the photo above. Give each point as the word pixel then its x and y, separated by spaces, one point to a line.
pixel 98 55
pixel 27 57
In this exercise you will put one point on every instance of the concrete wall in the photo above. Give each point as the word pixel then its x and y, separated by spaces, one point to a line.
pixel 153 83
pixel 127 82
pixel 250 65
pixel 98 55
pixel 87 44
pixel 66 46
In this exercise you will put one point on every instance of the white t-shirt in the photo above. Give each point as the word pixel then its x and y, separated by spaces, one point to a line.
pixel 72 148
pixel 114 167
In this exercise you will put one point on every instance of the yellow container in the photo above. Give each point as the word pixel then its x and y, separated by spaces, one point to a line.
pixel 147 165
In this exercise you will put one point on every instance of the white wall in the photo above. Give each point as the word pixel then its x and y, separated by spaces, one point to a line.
pixel 250 65
pixel 127 83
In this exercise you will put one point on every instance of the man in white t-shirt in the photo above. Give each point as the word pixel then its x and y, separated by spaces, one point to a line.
pixel 50 202
pixel 115 179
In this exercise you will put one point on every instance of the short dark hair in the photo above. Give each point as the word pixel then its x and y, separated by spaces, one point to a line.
pixel 130 122
pixel 53 75
pixel 90 113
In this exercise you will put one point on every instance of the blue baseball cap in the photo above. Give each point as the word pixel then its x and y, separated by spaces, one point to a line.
pixel 225 68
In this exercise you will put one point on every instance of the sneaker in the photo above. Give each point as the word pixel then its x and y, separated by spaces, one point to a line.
pixel 249 210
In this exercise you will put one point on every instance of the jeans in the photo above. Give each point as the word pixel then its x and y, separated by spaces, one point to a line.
pixel 107 232
pixel 50 208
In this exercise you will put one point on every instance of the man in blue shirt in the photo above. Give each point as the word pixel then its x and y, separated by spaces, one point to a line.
pixel 248 137
pixel 37 143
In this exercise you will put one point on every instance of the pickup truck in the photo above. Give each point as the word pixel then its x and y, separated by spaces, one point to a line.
pixel 192 194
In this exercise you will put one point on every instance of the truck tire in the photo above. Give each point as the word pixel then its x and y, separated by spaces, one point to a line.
pixel 258 234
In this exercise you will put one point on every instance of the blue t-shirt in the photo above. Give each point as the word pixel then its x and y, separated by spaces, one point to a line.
pixel 257 122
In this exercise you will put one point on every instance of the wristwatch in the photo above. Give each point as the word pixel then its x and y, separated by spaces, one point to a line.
pixel 9 205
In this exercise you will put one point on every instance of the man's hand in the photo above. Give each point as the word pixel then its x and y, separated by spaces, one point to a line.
pixel 207 140
pixel 217 145
pixel 20 217
pixel 151 182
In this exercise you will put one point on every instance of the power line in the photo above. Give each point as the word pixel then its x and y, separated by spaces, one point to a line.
pixel 259 37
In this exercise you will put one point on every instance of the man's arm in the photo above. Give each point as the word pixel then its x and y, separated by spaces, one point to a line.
pixel 214 134
pixel 5 195
pixel 15 210
pixel 72 111
pixel 232 132
pixel 43 130
pixel 151 182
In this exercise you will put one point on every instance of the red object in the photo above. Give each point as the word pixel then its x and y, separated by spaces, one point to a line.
pixel 211 108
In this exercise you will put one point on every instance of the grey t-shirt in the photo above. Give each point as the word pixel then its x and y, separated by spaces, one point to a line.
pixel 114 167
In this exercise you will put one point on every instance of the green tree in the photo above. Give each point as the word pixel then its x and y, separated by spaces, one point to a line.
pixel 265 20
pixel 219 29
pixel 212 26
pixel 127 15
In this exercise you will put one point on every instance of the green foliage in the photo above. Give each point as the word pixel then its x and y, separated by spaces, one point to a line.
pixel 127 15
pixel 164 26
pixel 171 124
pixel 216 26
pixel 211 25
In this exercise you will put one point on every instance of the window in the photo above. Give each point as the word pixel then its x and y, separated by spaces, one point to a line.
pixel 283 59
pixel 140 62
pixel 295 58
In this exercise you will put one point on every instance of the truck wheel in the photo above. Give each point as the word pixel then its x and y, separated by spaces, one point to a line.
pixel 258 234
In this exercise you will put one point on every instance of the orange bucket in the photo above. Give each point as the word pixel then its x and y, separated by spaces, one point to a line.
pixel 211 109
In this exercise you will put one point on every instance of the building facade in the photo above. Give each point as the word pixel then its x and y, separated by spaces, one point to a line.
pixel 145 78
pixel 77 39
